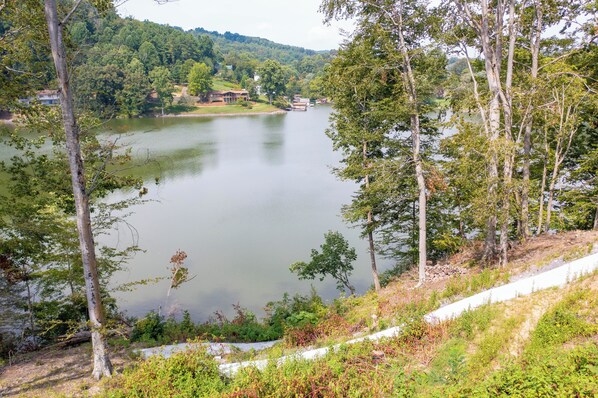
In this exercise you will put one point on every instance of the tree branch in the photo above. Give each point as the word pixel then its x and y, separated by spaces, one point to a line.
pixel 70 14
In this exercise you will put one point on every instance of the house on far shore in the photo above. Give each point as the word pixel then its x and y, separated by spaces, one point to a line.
pixel 44 97
pixel 229 96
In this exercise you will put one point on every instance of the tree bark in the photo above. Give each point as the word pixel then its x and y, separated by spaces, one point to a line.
pixel 542 187
pixel 507 102
pixel 492 58
pixel 370 222
pixel 596 220
pixel 101 362
pixel 551 187
pixel 527 138
pixel 410 85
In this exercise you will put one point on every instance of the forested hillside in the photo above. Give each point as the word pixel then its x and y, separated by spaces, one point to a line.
pixel 117 62
pixel 262 49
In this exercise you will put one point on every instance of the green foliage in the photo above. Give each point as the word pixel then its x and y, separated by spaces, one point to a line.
pixel 273 79
pixel 149 329
pixel 132 99
pixel 39 248
pixel 473 322
pixel 464 286
pixel 569 374
pixel 335 260
pixel 161 82
pixel 563 322
pixel 244 104
pixel 493 344
pixel 285 312
pixel 450 364
pixel 188 374
pixel 244 327
pixel 200 80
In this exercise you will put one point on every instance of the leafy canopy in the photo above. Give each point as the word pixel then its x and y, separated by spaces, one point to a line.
pixel 335 260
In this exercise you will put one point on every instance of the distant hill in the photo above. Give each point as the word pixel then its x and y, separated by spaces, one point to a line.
pixel 261 49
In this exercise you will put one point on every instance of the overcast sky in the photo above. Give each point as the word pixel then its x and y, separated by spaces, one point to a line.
pixel 295 22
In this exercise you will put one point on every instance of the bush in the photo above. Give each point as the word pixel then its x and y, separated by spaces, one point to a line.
pixel 149 329
pixel 244 104
pixel 285 312
pixel 244 327
pixel 567 374
pixel 279 103
pixel 186 374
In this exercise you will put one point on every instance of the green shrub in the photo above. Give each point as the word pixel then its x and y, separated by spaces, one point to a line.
pixel 244 104
pixel 280 103
pixel 563 323
pixel 566 374
pixel 474 321
pixel 149 329
pixel 284 313
pixel 186 374
pixel 244 327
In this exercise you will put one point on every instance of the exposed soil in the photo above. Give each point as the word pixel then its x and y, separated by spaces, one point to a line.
pixel 66 372
pixel 55 372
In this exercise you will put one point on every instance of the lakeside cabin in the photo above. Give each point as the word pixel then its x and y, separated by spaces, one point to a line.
pixel 229 96
pixel 44 97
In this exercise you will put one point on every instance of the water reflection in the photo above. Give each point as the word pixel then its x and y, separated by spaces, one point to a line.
pixel 245 197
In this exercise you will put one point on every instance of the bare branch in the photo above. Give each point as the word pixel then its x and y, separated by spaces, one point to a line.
pixel 70 14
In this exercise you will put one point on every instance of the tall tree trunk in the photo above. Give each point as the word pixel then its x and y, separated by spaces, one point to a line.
pixel 541 198
pixel 504 227
pixel 410 85
pixel 527 137
pixel 370 223
pixel 493 58
pixel 509 157
pixel 101 362
pixel 551 187
pixel 373 258
pixel 30 304
pixel 596 219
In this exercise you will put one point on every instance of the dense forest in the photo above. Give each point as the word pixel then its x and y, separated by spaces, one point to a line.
pixel 470 124
pixel 118 62
pixel 471 121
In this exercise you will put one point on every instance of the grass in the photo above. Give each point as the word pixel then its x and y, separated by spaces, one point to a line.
pixel 258 107
pixel 219 84
pixel 485 352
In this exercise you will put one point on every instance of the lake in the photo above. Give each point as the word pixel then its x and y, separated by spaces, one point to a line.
pixel 244 197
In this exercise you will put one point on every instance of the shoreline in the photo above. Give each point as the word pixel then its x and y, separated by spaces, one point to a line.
pixel 11 122
pixel 278 112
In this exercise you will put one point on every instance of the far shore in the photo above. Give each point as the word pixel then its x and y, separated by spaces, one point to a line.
pixel 278 112
pixel 11 122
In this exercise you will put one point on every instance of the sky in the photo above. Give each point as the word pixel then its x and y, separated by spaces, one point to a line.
pixel 294 22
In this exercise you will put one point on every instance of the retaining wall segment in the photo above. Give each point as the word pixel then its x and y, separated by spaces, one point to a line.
pixel 557 277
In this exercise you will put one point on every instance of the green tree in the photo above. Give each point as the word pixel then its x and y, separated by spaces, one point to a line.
pixel 273 79
pixel 55 25
pixel 362 91
pixel 132 99
pixel 148 55
pixel 97 88
pixel 200 80
pixel 160 80
pixel 335 260
pixel 251 86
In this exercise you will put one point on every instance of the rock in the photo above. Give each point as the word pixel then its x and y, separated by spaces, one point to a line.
pixel 376 354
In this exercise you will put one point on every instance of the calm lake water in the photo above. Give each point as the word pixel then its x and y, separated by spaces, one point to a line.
pixel 244 197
